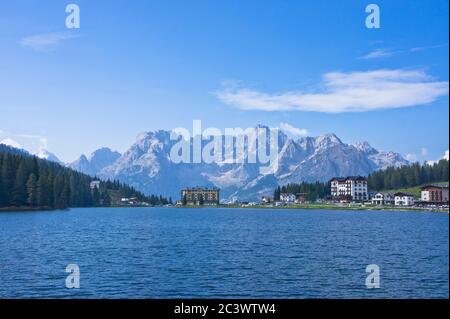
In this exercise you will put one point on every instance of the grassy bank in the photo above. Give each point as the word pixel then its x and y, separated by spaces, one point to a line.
pixel 324 207
pixel 339 207
pixel 416 191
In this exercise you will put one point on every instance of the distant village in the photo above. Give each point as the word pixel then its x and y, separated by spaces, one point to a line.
pixel 351 190
pixel 354 190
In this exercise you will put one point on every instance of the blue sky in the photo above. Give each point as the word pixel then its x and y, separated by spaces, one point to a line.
pixel 310 65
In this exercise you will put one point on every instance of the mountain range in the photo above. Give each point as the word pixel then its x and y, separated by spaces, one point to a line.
pixel 147 166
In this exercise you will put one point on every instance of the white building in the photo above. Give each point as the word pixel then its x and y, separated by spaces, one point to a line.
pixel 95 184
pixel 383 199
pixel 351 188
pixel 287 197
pixel 267 199
pixel 403 199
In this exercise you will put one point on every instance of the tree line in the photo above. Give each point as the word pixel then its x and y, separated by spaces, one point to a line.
pixel 27 181
pixel 312 191
pixel 408 176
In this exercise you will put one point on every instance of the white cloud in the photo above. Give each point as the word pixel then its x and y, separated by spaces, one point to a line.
pixel 377 53
pixel 293 130
pixel 32 143
pixel 423 151
pixel 10 142
pixel 445 156
pixel 411 157
pixel 40 141
pixel 345 92
pixel 47 41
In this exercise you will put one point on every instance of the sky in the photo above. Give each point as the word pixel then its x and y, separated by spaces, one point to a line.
pixel 308 67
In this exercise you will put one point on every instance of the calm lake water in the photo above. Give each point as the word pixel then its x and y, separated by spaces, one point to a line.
pixel 223 253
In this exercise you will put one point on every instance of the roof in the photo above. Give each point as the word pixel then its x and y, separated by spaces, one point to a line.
pixel 384 194
pixel 352 178
pixel 403 194
pixel 200 189
pixel 442 186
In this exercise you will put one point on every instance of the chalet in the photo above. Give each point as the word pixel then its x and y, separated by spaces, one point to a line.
pixel 300 198
pixel 403 199
pixel 287 197
pixel 267 199
pixel 383 199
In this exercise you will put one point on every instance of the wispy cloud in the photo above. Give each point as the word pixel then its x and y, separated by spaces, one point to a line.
pixel 47 41
pixel 345 92
pixel 286 127
pixel 378 53
pixel 417 49
pixel 383 52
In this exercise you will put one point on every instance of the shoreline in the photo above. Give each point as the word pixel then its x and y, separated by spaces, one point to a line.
pixel 326 207
pixel 27 209
pixel 291 207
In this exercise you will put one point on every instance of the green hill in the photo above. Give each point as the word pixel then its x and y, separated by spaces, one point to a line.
pixel 413 190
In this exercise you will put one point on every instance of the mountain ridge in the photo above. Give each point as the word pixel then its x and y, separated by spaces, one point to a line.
pixel 146 165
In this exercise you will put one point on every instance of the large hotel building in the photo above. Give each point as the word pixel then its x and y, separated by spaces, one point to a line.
pixel 200 196
pixel 351 188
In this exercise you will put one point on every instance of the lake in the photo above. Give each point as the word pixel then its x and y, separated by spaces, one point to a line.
pixel 223 253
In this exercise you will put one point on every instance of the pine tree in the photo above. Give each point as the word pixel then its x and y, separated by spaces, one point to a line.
pixel 32 190
pixel 19 193
pixel 42 190
pixel 96 197
pixel 7 175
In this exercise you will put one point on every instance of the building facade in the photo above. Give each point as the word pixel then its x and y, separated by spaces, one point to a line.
pixel 351 188
pixel 287 197
pixel 403 199
pixel 300 198
pixel 434 193
pixel 383 199
pixel 267 199
pixel 200 196
pixel 95 185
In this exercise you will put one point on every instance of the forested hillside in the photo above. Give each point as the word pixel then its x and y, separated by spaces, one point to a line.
pixel 408 176
pixel 312 191
pixel 27 181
